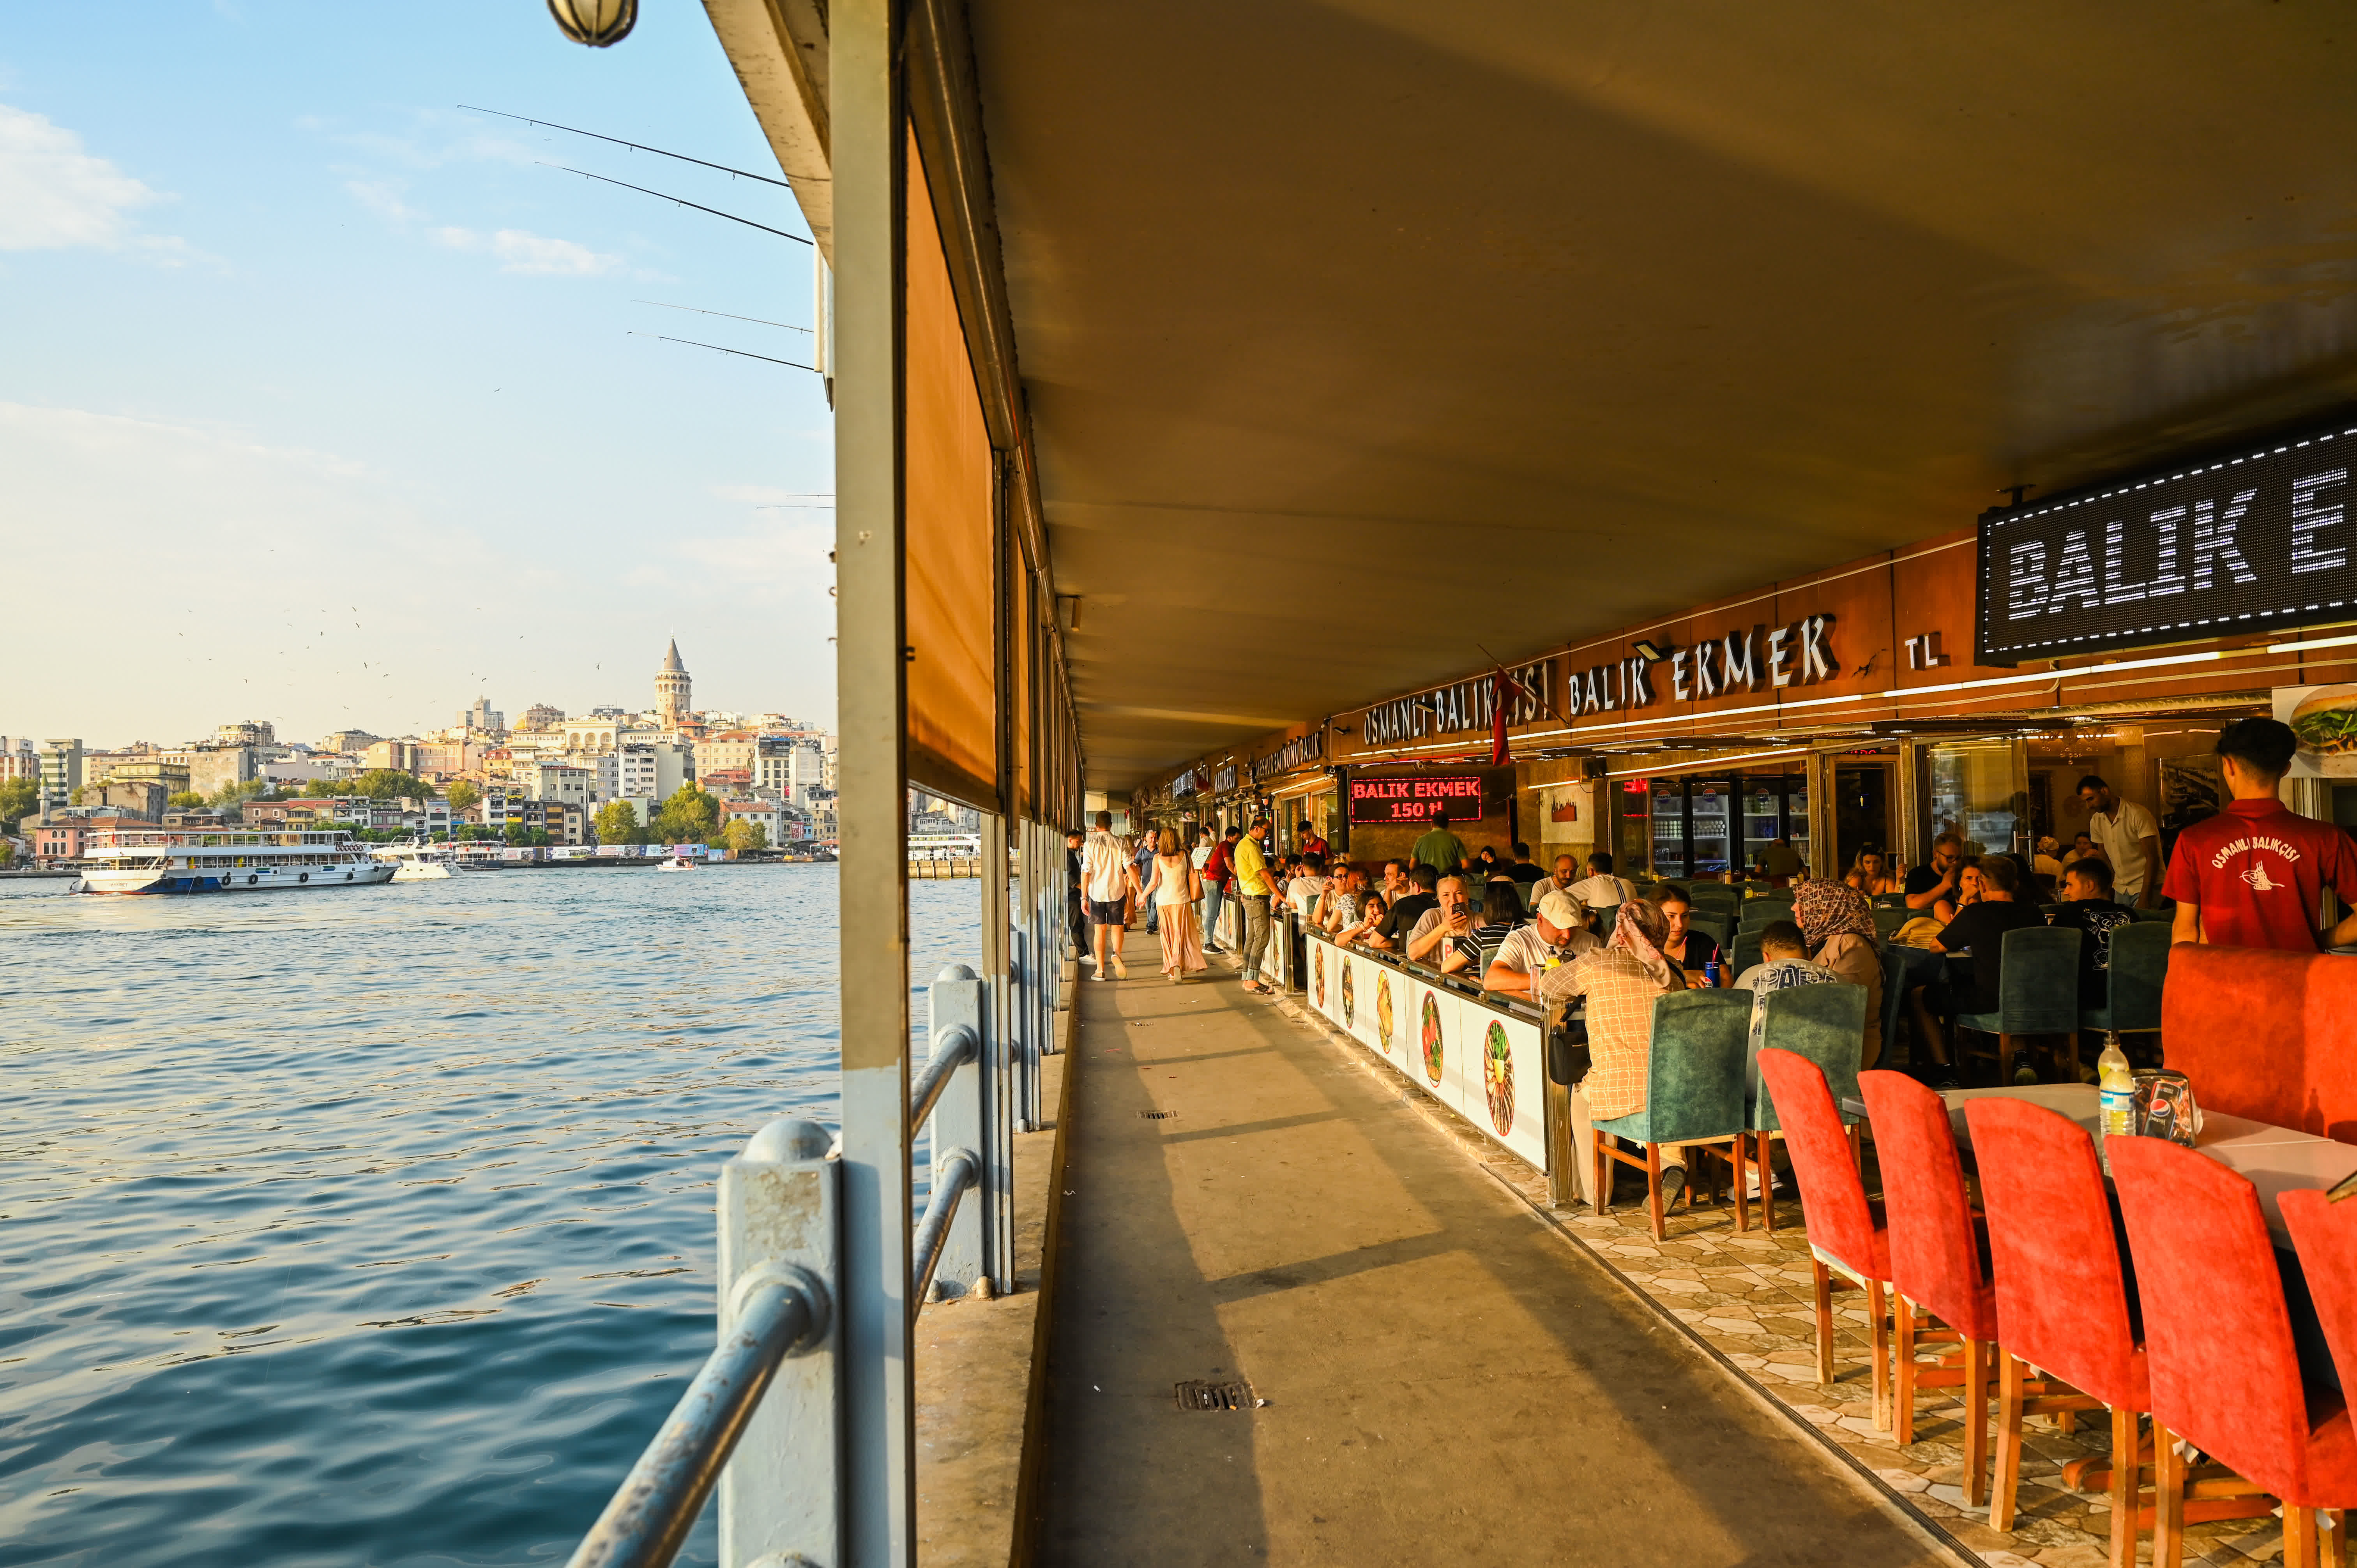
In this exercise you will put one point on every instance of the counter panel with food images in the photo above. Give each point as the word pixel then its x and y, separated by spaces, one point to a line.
pixel 1483 1059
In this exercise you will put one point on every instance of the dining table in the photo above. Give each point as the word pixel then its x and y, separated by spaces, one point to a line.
pixel 2274 1160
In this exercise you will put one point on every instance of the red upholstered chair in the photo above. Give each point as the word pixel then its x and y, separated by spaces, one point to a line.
pixel 2224 1374
pixel 2061 1299
pixel 2270 1035
pixel 2326 1235
pixel 1935 1259
pixel 1845 1246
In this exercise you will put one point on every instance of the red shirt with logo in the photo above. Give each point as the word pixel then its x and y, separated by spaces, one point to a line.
pixel 2258 871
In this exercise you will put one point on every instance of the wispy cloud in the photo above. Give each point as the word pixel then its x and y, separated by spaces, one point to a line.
pixel 534 255
pixel 55 197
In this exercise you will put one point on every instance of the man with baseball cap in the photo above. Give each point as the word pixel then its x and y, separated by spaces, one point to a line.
pixel 1558 934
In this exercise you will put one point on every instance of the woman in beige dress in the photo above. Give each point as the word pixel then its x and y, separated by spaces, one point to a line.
pixel 1176 887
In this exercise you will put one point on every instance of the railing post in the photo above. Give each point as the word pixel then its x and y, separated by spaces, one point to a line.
pixel 781 1494
pixel 959 1123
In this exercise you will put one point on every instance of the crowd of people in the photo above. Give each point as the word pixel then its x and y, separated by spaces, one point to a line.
pixel 2251 876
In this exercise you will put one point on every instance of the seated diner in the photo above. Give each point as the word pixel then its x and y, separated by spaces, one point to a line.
pixel 1620 981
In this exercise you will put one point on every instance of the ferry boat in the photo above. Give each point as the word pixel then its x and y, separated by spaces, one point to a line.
pixel 165 860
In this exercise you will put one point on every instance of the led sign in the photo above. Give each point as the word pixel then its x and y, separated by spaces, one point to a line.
pixel 1416 797
pixel 2255 543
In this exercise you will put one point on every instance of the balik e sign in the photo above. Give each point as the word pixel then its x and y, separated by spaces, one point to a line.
pixel 2255 543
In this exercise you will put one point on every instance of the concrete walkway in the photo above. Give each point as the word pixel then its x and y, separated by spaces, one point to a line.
pixel 1448 1380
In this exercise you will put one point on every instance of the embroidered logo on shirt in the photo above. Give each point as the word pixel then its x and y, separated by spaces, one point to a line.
pixel 2258 878
pixel 2251 846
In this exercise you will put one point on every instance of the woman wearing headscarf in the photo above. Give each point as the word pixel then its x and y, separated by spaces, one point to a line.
pixel 1622 980
pixel 1839 922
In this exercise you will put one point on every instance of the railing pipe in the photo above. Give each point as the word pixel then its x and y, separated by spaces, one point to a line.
pixel 954 1175
pixel 650 1514
pixel 955 1049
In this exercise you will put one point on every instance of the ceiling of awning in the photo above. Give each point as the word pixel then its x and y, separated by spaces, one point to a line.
pixel 1362 337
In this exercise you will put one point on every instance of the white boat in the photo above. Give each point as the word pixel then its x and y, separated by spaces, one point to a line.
pixel 177 860
pixel 676 862
pixel 415 863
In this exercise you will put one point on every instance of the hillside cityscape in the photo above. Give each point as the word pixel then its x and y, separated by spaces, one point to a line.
pixel 672 774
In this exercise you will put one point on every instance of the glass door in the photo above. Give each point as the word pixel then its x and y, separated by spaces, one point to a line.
pixel 1669 820
pixel 1980 791
pixel 1861 813
pixel 1710 805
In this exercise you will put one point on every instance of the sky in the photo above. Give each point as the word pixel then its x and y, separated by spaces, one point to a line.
pixel 320 401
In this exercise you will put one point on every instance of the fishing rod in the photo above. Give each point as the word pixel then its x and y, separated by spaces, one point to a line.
pixel 786 325
pixel 682 201
pixel 718 350
pixel 639 146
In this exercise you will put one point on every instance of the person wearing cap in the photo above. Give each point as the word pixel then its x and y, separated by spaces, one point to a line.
pixel 1557 935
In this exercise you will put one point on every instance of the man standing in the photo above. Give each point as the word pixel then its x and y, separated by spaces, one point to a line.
pixel 1218 882
pixel 2254 875
pixel 1076 915
pixel 2129 839
pixel 1108 882
pixel 1780 861
pixel 1439 848
pixel 1141 861
pixel 1254 886
pixel 1311 843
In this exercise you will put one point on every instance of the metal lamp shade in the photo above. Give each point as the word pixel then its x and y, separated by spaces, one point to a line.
pixel 597 23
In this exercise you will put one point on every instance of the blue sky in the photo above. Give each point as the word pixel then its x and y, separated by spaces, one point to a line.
pixel 318 400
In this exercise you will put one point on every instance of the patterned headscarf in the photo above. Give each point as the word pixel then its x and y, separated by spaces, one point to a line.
pixel 1640 929
pixel 1823 907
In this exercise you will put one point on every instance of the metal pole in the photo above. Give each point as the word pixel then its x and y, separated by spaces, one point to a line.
pixel 960 1127
pixel 997 1075
pixel 879 1405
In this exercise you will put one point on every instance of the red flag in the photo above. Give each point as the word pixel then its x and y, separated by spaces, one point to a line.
pixel 1498 689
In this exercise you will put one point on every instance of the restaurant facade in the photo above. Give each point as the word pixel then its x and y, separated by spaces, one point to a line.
pixel 1963 684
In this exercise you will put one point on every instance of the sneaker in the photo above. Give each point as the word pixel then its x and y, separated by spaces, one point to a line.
pixel 1673 1182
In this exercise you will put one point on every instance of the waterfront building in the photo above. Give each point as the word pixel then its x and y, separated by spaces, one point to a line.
pixel 556 782
pixel 654 769
pixel 673 690
pixel 19 758
pixel 61 771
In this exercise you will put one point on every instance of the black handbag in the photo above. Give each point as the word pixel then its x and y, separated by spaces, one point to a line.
pixel 1568 1058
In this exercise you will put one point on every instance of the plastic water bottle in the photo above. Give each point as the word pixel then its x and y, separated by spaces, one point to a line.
pixel 2117 1081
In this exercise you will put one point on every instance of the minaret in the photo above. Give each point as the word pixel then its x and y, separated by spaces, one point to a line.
pixel 671 705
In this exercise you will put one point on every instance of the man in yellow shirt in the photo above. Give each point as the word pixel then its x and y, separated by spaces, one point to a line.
pixel 1252 885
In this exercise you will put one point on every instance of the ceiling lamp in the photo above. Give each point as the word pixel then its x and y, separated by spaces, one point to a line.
pixel 597 23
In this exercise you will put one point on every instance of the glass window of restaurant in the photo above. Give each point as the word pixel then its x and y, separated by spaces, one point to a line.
pixel 1700 824
pixel 1980 789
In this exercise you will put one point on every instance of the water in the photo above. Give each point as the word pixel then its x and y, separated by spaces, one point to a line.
pixel 375 1227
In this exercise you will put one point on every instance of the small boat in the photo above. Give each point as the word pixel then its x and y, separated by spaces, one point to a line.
pixel 417 862
pixel 676 862
pixel 194 859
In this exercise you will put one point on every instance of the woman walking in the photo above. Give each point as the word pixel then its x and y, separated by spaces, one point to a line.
pixel 1174 886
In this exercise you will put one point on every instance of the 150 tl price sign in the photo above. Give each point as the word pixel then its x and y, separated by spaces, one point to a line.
pixel 1417 798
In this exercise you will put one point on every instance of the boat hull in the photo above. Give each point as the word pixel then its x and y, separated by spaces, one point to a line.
pixel 245 879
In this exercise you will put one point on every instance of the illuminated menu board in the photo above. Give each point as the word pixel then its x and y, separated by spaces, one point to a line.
pixel 1416 797
pixel 2253 542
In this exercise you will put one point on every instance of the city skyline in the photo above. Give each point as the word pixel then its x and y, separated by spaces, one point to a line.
pixel 321 404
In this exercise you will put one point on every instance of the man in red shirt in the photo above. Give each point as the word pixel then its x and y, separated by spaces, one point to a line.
pixel 2253 876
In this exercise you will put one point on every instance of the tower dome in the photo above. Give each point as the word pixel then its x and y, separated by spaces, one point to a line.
pixel 672 687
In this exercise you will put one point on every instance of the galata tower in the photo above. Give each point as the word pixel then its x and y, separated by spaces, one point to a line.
pixel 672 704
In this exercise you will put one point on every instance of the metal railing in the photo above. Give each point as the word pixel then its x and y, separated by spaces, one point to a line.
pixel 761 1420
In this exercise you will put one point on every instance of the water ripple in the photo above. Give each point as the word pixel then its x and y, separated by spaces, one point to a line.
pixel 376 1227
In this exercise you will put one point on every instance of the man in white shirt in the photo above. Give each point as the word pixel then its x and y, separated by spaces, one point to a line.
pixel 1600 890
pixel 1566 875
pixel 1452 918
pixel 1556 934
pixel 1308 883
pixel 1108 882
pixel 2129 839
pixel 1784 963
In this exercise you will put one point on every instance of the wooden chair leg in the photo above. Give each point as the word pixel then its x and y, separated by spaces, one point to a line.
pixel 1857 1146
pixel 2332 1537
pixel 2123 1488
pixel 1601 1194
pixel 1825 1321
pixel 1877 1314
pixel 2074 1051
pixel 1767 1183
pixel 1977 1433
pixel 1653 1190
pixel 2298 1537
pixel 2169 1500
pixel 2005 1061
pixel 1902 1357
pixel 2009 1397
pixel 1742 1200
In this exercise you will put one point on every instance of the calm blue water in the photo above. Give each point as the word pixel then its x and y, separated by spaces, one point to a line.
pixel 375 1227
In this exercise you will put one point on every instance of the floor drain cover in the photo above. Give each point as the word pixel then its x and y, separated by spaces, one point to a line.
pixel 1156 1115
pixel 1213 1396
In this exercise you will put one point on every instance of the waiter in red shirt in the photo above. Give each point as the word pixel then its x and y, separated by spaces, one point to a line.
pixel 2253 876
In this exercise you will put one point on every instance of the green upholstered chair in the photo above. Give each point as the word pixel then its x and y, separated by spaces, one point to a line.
pixel 1715 897
pixel 1823 1023
pixel 1721 926
pixel 1887 919
pixel 1757 912
pixel 1694 1096
pixel 2039 995
pixel 1746 951
pixel 1894 1002
pixel 2139 963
